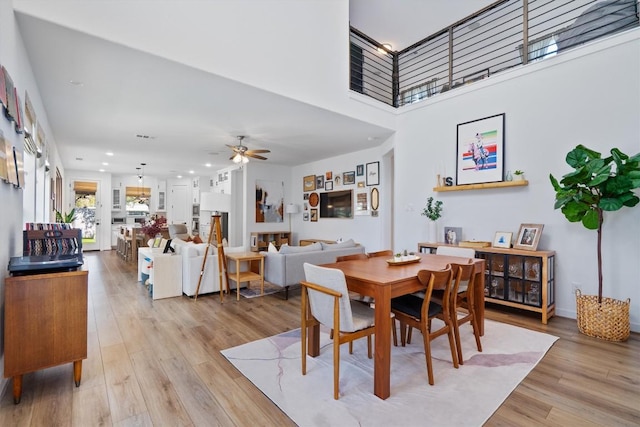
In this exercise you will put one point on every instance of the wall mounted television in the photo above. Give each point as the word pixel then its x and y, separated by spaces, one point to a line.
pixel 336 204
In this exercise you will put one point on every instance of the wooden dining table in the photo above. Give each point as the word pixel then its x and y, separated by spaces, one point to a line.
pixel 376 278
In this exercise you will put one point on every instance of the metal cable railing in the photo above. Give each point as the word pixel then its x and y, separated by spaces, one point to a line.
pixel 485 43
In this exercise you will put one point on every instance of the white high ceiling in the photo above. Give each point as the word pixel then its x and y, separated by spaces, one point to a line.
pixel 127 92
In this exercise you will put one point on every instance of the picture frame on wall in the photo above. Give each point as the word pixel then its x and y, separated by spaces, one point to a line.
pixel 309 183
pixel 528 237
pixel 362 203
pixel 502 239
pixel 328 185
pixel 349 178
pixel 360 170
pixel 319 181
pixel 480 150
pixel 373 173
pixel 314 215
pixel 305 216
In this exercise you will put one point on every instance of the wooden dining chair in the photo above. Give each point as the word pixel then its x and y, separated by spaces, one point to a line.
pixel 417 312
pixel 462 297
pixel 325 300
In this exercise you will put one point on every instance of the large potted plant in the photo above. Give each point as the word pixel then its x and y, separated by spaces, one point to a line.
pixel 598 185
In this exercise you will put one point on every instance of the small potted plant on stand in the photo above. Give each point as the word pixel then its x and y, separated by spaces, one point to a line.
pixel 597 186
pixel 518 175
pixel 433 211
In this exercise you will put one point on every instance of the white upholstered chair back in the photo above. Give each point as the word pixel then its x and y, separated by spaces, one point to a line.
pixel 322 304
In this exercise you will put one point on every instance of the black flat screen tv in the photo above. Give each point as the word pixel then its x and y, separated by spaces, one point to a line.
pixel 336 204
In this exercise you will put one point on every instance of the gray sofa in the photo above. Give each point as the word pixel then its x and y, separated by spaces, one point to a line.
pixel 285 267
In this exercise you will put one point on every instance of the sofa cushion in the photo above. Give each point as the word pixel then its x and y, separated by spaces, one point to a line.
pixel 346 244
pixel 272 248
pixel 286 249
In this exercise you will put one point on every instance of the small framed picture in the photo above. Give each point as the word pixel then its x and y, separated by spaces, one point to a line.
pixel 360 170
pixel 452 235
pixel 328 176
pixel 502 239
pixel 349 178
pixel 328 185
pixel 305 216
pixel 319 181
pixel 528 237
pixel 314 215
pixel 305 196
pixel 309 183
pixel 360 184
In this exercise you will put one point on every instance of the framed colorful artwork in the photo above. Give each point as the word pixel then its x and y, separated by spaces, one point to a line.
pixel 349 178
pixel 480 151
pixel 502 239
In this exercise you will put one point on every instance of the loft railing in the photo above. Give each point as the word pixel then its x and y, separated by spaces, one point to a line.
pixel 485 43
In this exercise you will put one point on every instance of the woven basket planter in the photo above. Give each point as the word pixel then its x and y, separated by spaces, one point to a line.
pixel 608 320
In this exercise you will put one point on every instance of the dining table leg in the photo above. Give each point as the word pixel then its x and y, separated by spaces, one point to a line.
pixel 478 300
pixel 382 350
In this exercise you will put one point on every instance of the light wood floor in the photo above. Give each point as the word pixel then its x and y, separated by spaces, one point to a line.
pixel 158 363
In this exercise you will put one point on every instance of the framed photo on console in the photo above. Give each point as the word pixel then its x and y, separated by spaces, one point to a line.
pixel 528 237
pixel 502 239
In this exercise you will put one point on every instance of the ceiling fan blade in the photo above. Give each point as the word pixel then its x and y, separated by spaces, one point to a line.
pixel 258 151
pixel 255 156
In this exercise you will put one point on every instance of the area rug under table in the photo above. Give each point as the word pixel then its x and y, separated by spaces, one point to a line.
pixel 467 396
pixel 253 291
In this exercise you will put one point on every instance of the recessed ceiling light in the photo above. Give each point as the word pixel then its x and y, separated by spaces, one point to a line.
pixel 105 164
pixel 109 153
pixel 76 83
pixel 191 172
pixel 208 165
pixel 100 170
pixel 179 176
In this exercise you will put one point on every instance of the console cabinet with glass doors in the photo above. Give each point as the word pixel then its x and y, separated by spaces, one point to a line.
pixel 516 278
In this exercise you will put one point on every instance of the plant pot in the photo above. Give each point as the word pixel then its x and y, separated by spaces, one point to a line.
pixel 608 320
pixel 519 177
pixel 433 232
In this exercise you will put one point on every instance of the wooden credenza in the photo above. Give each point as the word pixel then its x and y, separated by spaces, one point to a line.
pixel 516 278
pixel 45 324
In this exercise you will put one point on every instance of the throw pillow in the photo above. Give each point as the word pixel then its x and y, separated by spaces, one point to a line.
pixel 197 239
pixel 272 248
pixel 345 244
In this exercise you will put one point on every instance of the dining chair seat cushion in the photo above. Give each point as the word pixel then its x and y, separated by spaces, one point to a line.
pixel 363 315
pixel 412 305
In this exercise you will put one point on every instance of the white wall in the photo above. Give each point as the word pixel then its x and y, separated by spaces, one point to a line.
pixel 13 56
pixel 588 96
pixel 369 231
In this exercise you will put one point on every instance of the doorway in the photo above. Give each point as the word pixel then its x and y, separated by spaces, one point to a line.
pixel 86 213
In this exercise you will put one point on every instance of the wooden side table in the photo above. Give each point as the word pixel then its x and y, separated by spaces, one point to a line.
pixel 240 276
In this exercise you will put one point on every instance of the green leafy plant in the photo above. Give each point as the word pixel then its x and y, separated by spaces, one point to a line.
pixel 433 210
pixel 518 172
pixel 66 218
pixel 597 185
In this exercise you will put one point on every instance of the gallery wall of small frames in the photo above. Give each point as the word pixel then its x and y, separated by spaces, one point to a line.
pixel 342 194
pixel 23 121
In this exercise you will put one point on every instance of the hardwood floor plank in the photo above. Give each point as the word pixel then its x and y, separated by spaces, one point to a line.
pixel 160 396
pixel 123 388
pixel 91 406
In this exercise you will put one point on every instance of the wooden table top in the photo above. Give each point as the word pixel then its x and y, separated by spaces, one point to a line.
pixel 377 270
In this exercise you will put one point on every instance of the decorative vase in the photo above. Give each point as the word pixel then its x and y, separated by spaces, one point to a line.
pixel 433 231
pixel 509 177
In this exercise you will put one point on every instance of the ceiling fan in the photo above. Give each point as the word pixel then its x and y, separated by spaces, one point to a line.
pixel 241 153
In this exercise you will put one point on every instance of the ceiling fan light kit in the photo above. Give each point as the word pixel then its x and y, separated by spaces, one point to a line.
pixel 241 153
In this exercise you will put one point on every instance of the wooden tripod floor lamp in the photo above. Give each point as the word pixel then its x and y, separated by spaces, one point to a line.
pixel 222 260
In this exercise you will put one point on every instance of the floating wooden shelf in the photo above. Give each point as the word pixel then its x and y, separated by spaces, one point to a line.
pixel 483 186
